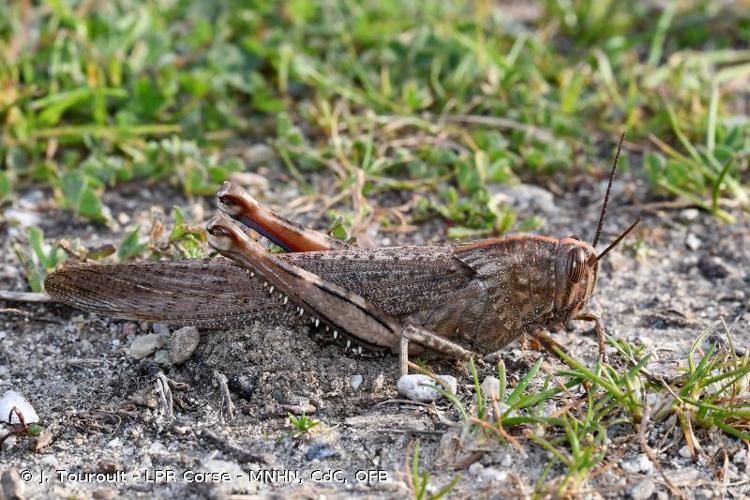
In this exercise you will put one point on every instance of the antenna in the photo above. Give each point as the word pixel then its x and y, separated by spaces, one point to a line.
pixel 619 238
pixel 603 215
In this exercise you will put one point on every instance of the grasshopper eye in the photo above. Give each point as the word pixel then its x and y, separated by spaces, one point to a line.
pixel 576 264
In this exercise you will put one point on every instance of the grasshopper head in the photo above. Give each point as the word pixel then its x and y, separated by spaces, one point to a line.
pixel 577 264
pixel 576 269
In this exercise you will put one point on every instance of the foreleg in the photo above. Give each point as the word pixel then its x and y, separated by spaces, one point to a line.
pixel 599 328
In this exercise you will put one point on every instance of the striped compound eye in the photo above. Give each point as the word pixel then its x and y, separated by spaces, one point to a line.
pixel 575 264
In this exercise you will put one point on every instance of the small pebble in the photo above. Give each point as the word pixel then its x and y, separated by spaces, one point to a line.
pixel 243 385
pixel 641 463
pixel 712 267
pixel 422 388
pixel 183 343
pixel 356 381
pixel 525 198
pixel 12 399
pixel 693 242
pixel 642 490
pixel 490 388
pixel 217 468
pixel 144 345
pixel 690 214
pixel 685 452
pixel 320 451
pixel 161 328
pixel 740 457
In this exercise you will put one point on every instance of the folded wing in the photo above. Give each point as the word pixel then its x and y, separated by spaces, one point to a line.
pixel 204 293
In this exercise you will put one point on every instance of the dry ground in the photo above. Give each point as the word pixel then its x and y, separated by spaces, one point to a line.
pixel 102 407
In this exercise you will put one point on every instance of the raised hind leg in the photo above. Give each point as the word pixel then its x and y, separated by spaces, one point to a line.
pixel 337 308
pixel 289 235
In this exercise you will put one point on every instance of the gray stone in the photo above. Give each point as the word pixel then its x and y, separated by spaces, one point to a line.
pixel 712 267
pixel 356 381
pixel 422 388
pixel 525 198
pixel 183 343
pixel 160 328
pixel 11 485
pixel 145 345
pixel 642 490
pixel 321 451
pixel 639 464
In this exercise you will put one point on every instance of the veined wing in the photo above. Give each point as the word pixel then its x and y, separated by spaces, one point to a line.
pixel 400 281
pixel 205 293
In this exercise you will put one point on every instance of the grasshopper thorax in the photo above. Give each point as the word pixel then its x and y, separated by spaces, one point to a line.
pixel 576 270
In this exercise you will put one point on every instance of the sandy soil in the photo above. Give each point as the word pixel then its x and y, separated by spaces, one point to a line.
pixel 102 408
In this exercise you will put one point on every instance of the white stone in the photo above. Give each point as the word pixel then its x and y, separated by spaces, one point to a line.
pixel 12 399
pixel 494 476
pixel 690 214
pixel 422 388
pixel 641 463
pixel 693 242
pixel 144 345
pixel 490 388
pixel 685 452
pixel 356 381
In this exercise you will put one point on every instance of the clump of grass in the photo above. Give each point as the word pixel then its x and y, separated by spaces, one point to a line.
pixel 419 483
pixel 302 424
pixel 713 394
pixel 40 260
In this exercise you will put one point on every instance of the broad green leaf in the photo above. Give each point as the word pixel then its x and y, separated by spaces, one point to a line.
pixel 130 246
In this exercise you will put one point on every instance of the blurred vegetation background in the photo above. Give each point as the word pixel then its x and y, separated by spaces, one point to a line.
pixel 443 98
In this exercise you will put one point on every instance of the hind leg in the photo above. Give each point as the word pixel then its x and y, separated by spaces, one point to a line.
pixel 324 302
pixel 292 237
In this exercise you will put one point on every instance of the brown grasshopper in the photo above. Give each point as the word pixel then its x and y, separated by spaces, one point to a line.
pixel 457 301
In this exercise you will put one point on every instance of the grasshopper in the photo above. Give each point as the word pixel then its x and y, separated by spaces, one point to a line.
pixel 458 301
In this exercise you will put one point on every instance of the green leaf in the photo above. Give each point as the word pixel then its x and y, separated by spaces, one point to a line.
pixel 5 185
pixel 79 196
pixel 130 247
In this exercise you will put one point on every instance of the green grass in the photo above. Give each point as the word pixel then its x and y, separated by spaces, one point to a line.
pixel 302 424
pixel 595 404
pixel 443 98
pixel 420 482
